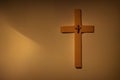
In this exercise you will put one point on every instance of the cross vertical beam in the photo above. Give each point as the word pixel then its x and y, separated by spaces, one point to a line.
pixel 78 29
pixel 78 39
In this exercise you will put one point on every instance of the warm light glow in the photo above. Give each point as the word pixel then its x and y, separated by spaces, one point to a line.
pixel 21 53
pixel 32 46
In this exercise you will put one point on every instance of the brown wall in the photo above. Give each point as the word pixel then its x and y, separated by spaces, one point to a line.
pixel 31 45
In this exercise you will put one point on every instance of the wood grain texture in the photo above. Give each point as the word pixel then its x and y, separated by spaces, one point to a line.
pixel 78 29
pixel 87 29
pixel 78 50
pixel 67 29
pixel 78 39
pixel 78 17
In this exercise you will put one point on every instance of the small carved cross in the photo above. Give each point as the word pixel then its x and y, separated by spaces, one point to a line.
pixel 78 29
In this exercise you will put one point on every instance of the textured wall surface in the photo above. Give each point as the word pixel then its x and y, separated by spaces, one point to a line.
pixel 32 47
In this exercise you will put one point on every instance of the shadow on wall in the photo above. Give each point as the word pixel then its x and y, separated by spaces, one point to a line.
pixel 30 20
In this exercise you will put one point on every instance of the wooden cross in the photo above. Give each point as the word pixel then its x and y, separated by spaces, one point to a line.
pixel 78 29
